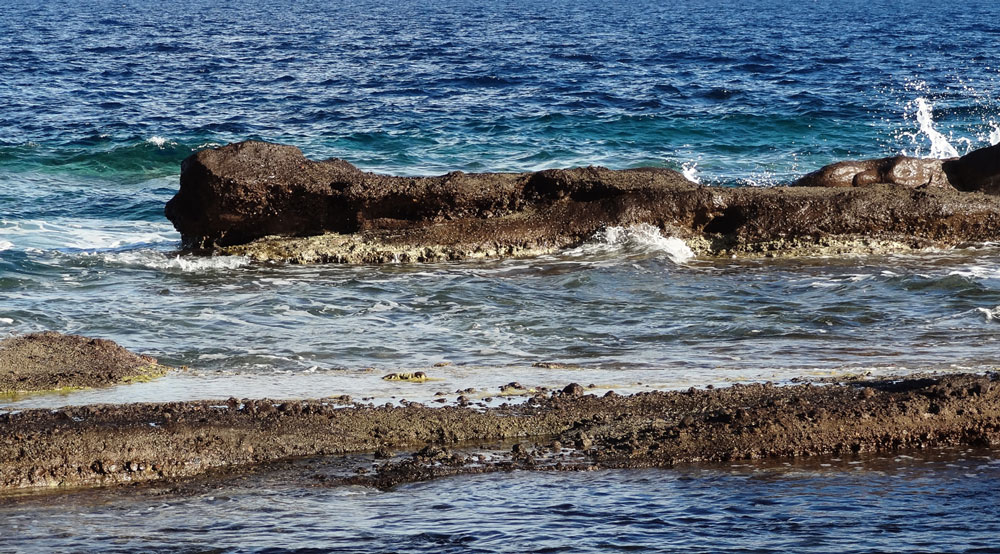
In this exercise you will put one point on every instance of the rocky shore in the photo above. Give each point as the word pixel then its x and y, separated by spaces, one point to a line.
pixel 52 361
pixel 269 202
pixel 114 444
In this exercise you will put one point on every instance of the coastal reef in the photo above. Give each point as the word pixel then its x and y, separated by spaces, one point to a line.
pixel 564 430
pixel 50 361
pixel 270 203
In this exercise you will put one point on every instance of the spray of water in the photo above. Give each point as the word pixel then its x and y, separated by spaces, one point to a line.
pixel 994 137
pixel 690 172
pixel 940 147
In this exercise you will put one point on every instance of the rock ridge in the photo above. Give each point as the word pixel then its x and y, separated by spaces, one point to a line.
pixel 271 203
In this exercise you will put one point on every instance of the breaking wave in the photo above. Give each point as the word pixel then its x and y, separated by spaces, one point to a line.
pixel 635 239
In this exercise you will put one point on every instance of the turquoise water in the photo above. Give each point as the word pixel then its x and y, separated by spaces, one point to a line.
pixel 99 103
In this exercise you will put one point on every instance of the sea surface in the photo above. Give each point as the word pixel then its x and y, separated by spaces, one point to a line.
pixel 100 101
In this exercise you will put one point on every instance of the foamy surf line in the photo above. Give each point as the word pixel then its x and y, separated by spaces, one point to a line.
pixel 162 261
pixel 83 234
pixel 634 239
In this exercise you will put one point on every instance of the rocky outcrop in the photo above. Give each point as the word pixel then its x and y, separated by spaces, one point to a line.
pixel 50 361
pixel 114 444
pixel 240 192
pixel 977 171
pixel 269 202
pixel 898 170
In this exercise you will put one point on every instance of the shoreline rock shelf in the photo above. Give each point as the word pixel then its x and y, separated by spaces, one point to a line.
pixel 269 202
pixel 115 444
pixel 50 361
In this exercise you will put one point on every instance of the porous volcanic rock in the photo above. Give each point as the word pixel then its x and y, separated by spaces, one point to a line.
pixel 243 191
pixel 109 444
pixel 270 203
pixel 49 361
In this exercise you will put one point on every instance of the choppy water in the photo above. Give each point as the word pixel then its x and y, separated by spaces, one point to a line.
pixel 100 101
pixel 929 502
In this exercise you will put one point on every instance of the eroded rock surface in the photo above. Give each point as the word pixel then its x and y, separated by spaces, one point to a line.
pixel 269 202
pixel 49 361
pixel 977 171
pixel 103 445
pixel 898 170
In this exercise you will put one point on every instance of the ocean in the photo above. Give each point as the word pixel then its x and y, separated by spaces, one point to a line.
pixel 100 102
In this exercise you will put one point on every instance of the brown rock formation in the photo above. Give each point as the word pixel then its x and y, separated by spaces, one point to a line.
pixel 240 192
pixel 103 445
pixel 897 170
pixel 49 361
pixel 977 171
pixel 331 212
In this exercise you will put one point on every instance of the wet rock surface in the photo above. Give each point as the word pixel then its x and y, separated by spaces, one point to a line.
pixel 49 361
pixel 977 171
pixel 898 170
pixel 111 444
pixel 270 203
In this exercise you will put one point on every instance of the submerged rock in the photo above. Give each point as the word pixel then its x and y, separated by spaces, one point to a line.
pixel 270 203
pixel 50 361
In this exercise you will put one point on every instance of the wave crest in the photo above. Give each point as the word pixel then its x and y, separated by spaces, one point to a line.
pixel 635 239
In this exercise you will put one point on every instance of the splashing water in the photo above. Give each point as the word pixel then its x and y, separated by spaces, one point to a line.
pixel 642 238
pixel 690 172
pixel 994 137
pixel 940 147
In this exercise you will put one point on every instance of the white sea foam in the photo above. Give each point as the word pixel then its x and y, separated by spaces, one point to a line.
pixel 994 136
pixel 992 314
pixel 642 238
pixel 977 272
pixel 152 259
pixel 158 141
pixel 87 234
pixel 5 245
pixel 690 172
pixel 940 147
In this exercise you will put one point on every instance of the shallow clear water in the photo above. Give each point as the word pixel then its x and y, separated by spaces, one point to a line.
pixel 102 100
pixel 939 501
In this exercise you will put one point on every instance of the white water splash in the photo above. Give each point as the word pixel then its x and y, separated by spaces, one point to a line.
pixel 690 172
pixel 86 233
pixel 940 147
pixel 991 314
pixel 158 141
pixel 152 259
pixel 994 136
pixel 642 238
pixel 6 245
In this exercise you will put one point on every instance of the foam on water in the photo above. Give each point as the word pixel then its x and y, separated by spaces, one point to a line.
pixel 160 261
pixel 641 239
pixel 994 136
pixel 992 314
pixel 85 234
pixel 690 171
pixel 157 141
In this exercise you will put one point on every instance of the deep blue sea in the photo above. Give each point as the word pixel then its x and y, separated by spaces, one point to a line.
pixel 100 101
